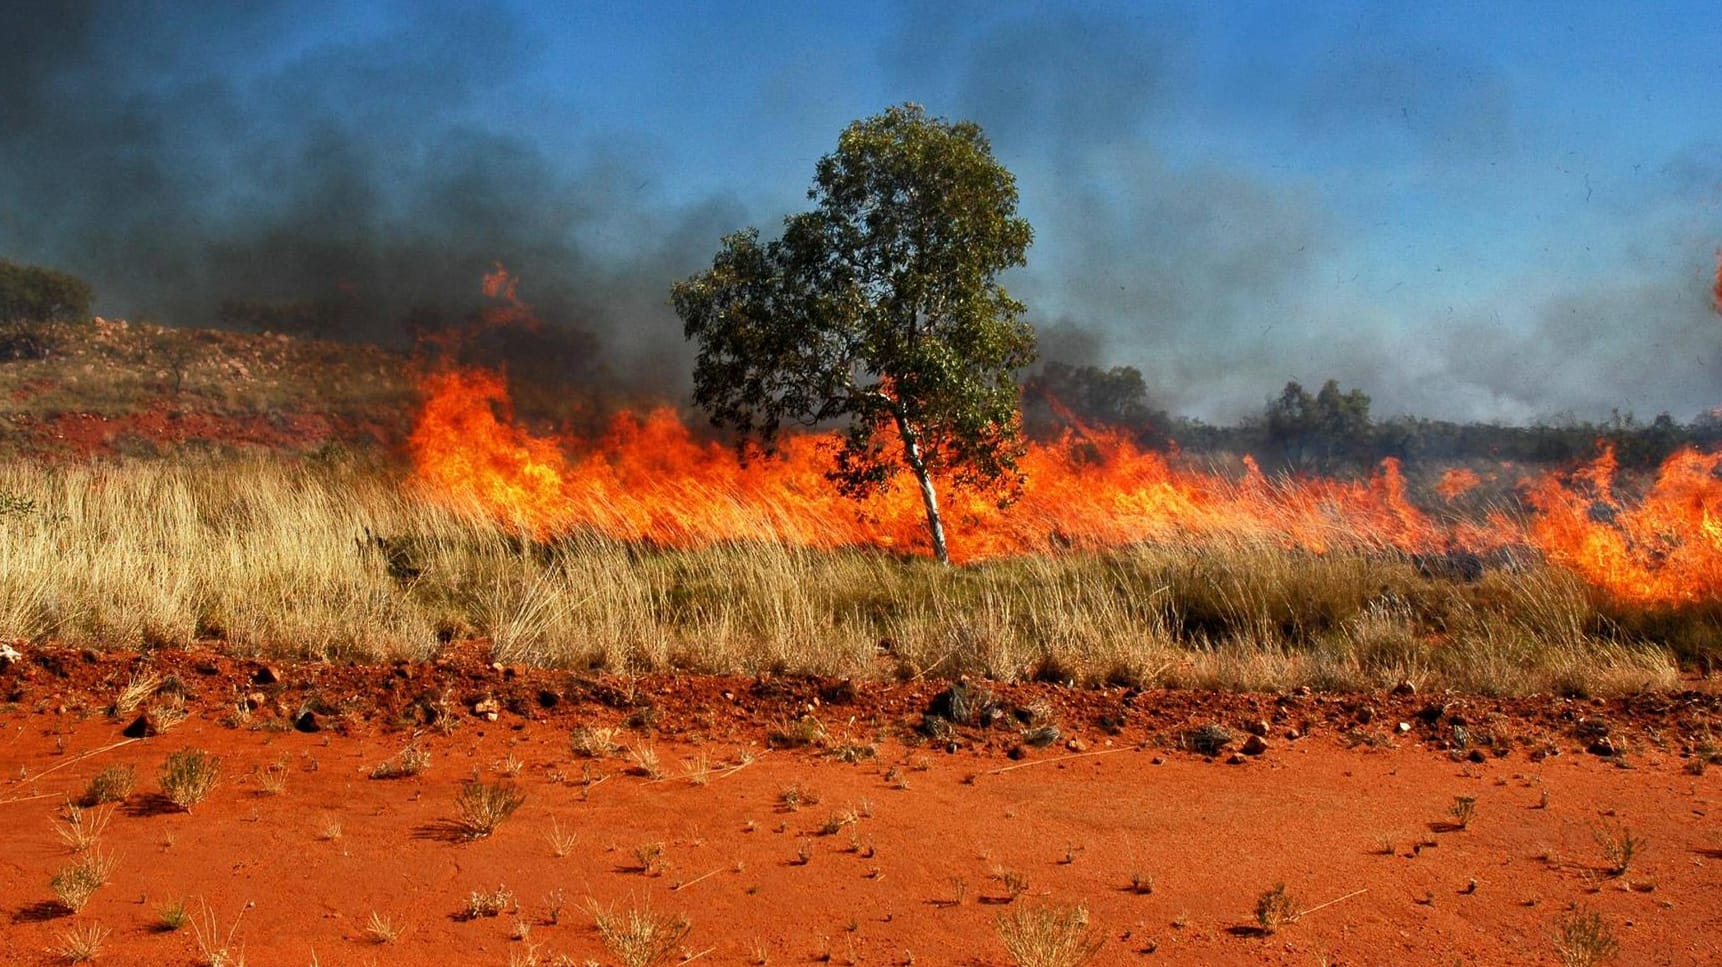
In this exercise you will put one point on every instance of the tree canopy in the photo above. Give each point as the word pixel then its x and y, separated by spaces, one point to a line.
pixel 878 310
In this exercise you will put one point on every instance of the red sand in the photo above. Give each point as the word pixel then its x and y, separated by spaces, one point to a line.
pixel 930 824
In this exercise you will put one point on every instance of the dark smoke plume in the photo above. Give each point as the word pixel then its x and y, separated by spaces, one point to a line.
pixel 197 172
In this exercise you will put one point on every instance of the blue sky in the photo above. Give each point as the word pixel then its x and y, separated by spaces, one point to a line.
pixel 1492 211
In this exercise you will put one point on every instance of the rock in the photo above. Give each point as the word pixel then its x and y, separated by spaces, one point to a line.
pixel 487 708
pixel 266 675
pixel 9 656
pixel 1604 747
pixel 1292 735
pixel 1076 745
pixel 255 701
pixel 1402 728
pixel 1235 760
pixel 1366 715
pixel 1157 761
pixel 1405 688
pixel 1257 728
pixel 1477 756
pixel 1255 745
pixel 1018 752
pixel 308 721
pixel 139 729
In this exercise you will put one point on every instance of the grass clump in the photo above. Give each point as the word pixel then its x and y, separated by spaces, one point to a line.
pixel 1584 939
pixel 1275 908
pixel 640 937
pixel 487 903
pixel 483 806
pixel 172 915
pixel 410 761
pixel 188 776
pixel 1463 808
pixel 76 882
pixel 382 929
pixel 83 944
pixel 1619 845
pixel 111 785
pixel 1049 936
pixel 81 827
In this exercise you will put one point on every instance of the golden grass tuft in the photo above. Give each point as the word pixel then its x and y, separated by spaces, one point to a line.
pixel 76 882
pixel 1049 936
pixel 639 936
pixel 188 776
pixel 481 807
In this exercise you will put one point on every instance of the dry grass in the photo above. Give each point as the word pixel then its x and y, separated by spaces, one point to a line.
pixel 112 785
pixel 1583 939
pixel 188 776
pixel 81 827
pixel 82 944
pixel 639 937
pixel 262 555
pixel 481 807
pixel 1275 908
pixel 215 948
pixel 381 929
pixel 76 882
pixel 410 761
pixel 1619 844
pixel 1049 936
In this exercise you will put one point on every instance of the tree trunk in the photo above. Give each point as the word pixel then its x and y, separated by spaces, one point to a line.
pixel 935 525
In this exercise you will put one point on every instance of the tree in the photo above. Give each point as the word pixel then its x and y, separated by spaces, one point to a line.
pixel 879 307
pixel 1321 429
pixel 31 294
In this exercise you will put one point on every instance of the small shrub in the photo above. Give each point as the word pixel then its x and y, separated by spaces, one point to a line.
pixel 75 883
pixel 561 843
pixel 83 944
pixel 1276 908
pixel 593 743
pixel 188 776
pixel 1209 740
pixel 1582 939
pixel 1049 937
pixel 1619 845
pixel 649 858
pixel 640 937
pixel 483 806
pixel 172 915
pixel 1463 808
pixel 381 929
pixel 272 778
pixel 410 761
pixel 487 903
pixel 82 826
pixel 113 784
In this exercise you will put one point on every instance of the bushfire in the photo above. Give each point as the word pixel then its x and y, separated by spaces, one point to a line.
pixel 649 478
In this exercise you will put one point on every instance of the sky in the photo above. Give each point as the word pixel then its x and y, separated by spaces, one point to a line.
pixel 1489 211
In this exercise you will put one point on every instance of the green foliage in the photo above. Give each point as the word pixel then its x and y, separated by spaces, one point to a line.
pixel 1116 397
pixel 31 294
pixel 1319 430
pixel 880 307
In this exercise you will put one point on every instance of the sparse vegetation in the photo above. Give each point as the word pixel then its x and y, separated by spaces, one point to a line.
pixel 410 761
pixel 272 778
pixel 488 903
pixel 483 806
pixel 76 882
pixel 172 915
pixel 561 843
pixel 1275 908
pixel 111 785
pixel 1049 936
pixel 82 944
pixel 1463 808
pixel 188 776
pixel 1619 845
pixel 215 948
pixel 639 936
pixel 382 929
pixel 81 827
pixel 1584 939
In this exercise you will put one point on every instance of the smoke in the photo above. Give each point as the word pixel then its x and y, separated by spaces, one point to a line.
pixel 148 149
pixel 1311 198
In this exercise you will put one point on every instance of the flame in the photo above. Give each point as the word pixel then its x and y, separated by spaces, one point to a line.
pixel 1456 482
pixel 647 477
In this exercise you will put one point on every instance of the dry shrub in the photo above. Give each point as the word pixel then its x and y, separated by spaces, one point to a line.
pixel 83 944
pixel 188 776
pixel 82 826
pixel 76 882
pixel 410 761
pixel 113 784
pixel 1275 908
pixel 640 937
pixel 1049 936
pixel 1583 939
pixel 483 806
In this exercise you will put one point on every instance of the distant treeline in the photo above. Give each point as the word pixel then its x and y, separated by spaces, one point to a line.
pixel 1332 431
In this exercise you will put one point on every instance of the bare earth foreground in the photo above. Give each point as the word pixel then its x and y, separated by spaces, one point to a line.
pixel 801 821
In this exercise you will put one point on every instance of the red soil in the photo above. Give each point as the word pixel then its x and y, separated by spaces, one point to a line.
pixel 933 818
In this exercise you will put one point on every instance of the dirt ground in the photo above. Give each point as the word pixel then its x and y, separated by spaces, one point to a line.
pixel 805 821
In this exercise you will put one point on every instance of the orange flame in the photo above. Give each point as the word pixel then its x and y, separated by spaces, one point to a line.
pixel 1456 482
pixel 648 478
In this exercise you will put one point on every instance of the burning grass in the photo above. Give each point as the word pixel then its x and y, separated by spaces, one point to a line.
pixel 277 560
